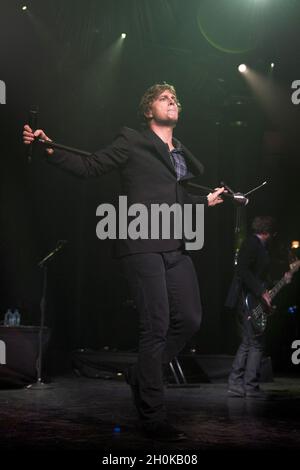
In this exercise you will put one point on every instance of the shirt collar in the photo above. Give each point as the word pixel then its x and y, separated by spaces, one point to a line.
pixel 177 148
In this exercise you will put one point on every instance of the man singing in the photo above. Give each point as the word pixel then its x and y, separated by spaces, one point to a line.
pixel 153 166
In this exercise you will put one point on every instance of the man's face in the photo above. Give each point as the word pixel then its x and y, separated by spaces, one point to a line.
pixel 164 109
pixel 268 237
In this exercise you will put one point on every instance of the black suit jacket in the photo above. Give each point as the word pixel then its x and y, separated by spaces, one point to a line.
pixel 147 175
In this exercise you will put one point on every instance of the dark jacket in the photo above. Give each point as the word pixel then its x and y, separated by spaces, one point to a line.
pixel 252 270
pixel 147 176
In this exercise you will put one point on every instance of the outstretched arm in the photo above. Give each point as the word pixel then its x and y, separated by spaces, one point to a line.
pixel 111 157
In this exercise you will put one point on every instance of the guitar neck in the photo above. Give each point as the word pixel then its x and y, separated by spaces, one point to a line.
pixel 293 268
pixel 274 291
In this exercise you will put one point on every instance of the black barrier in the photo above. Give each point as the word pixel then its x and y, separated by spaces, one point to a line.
pixel 19 353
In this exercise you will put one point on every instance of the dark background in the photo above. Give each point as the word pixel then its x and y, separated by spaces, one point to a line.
pixel 64 56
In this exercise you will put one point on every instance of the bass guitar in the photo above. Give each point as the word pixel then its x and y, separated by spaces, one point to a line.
pixel 258 312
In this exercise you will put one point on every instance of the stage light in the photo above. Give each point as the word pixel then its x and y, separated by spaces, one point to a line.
pixel 123 35
pixel 24 7
pixel 295 244
pixel 242 68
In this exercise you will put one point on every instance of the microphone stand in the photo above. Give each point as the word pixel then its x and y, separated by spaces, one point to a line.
pixel 237 197
pixel 39 384
pixel 55 145
pixel 33 120
pixel 240 216
pixel 240 200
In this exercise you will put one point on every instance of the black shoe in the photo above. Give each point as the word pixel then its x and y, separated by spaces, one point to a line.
pixel 236 391
pixel 163 431
pixel 257 394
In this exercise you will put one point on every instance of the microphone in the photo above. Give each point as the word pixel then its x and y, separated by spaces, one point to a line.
pixel 230 191
pixel 32 121
pixel 47 258
pixel 239 198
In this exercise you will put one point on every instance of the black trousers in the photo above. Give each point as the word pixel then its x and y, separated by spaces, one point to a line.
pixel 165 289
pixel 247 362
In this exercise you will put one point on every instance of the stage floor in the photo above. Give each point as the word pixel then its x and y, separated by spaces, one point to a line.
pixel 96 415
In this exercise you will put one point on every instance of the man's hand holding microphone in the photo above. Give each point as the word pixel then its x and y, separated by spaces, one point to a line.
pixel 29 136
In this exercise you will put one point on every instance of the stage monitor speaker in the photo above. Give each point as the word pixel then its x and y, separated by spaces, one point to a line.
pixel 101 364
pixel 185 369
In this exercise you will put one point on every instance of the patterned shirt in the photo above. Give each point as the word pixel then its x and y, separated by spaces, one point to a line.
pixel 179 163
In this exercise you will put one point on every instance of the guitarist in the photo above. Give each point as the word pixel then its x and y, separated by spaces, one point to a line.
pixel 251 274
